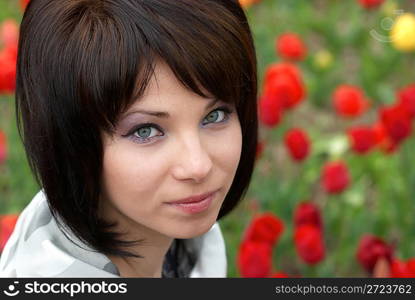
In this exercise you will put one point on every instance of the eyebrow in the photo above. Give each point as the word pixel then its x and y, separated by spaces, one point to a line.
pixel 164 114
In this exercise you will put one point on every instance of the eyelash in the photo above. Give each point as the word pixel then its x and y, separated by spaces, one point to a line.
pixel 136 139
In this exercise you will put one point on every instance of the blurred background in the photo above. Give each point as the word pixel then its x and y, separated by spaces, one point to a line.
pixel 332 193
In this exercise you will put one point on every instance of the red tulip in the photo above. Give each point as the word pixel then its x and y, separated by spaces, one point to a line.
pixel 380 132
pixel 402 269
pixel 7 77
pixel 297 143
pixel 279 275
pixel 397 122
pixel 265 228
pixel 7 223
pixel 9 53
pixel 411 265
pixel 254 259
pixel 9 32
pixel 270 111
pixel 283 83
pixel 290 46
pixel 362 139
pixel 8 58
pixel 23 4
pixel 309 243
pixel 383 140
pixel 3 147
pixel 307 213
pixel 349 101
pixel 370 4
pixel 406 98
pixel 370 249
pixel 335 177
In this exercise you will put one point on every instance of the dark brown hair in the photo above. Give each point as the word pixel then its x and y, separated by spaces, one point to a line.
pixel 82 63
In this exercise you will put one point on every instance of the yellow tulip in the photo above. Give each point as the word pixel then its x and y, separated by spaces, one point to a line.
pixel 403 32
pixel 323 59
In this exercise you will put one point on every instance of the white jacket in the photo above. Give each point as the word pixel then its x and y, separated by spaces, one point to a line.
pixel 37 248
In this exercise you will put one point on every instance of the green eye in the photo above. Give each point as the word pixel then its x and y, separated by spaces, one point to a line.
pixel 144 132
pixel 218 114
pixel 213 116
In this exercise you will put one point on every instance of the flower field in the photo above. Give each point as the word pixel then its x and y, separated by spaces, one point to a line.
pixel 332 193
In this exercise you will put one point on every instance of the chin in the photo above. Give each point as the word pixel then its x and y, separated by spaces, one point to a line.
pixel 194 229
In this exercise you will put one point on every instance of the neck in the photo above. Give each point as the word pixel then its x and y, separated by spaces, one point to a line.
pixel 153 249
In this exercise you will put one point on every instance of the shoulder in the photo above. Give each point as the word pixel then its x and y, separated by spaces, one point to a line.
pixel 38 248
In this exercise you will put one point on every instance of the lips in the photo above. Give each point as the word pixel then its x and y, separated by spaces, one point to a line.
pixel 193 199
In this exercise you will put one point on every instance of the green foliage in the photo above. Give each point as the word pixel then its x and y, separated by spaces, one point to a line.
pixel 17 186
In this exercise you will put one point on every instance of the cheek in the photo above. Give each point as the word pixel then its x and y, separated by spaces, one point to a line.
pixel 228 150
pixel 126 174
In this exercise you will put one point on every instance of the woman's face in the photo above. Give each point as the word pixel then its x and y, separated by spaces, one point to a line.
pixel 192 148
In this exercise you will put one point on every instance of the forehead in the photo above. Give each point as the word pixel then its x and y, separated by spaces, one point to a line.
pixel 162 81
pixel 164 85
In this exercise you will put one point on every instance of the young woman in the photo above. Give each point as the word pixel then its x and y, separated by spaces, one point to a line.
pixel 139 119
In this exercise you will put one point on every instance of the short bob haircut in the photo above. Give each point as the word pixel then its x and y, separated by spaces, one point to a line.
pixel 82 63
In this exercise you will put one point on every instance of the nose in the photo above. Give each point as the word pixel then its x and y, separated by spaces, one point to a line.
pixel 193 161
